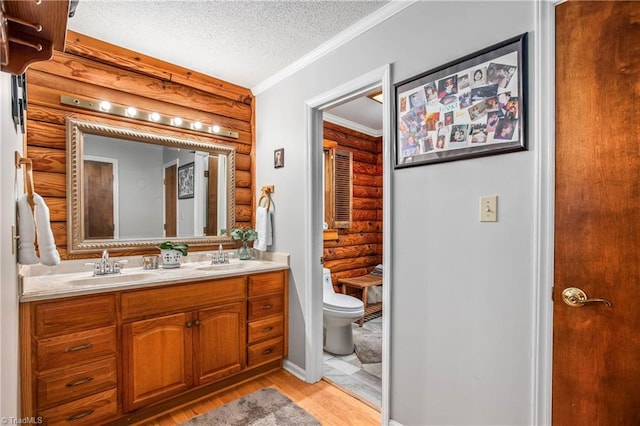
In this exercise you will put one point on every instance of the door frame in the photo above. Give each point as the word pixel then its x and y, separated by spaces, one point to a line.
pixel 380 77
pixel 116 191
pixel 544 125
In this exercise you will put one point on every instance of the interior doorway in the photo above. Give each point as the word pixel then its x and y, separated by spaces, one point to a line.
pixel 315 200
pixel 352 243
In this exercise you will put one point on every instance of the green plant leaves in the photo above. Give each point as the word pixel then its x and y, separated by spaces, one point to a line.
pixel 248 234
pixel 168 245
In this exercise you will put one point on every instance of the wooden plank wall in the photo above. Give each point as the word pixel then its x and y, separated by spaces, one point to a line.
pixel 359 248
pixel 96 70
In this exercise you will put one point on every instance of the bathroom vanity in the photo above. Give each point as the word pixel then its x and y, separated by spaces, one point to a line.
pixel 119 349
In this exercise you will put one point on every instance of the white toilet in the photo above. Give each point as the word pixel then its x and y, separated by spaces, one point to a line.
pixel 339 311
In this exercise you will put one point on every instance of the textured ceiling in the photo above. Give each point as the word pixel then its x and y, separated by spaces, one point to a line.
pixel 243 42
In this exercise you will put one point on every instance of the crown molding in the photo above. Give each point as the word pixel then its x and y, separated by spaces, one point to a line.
pixel 351 125
pixel 381 15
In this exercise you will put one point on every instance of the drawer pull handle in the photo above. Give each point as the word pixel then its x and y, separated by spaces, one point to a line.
pixel 267 351
pixel 267 329
pixel 269 306
pixel 80 415
pixel 79 382
pixel 79 348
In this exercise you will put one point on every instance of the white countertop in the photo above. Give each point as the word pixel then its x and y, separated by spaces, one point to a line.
pixel 73 278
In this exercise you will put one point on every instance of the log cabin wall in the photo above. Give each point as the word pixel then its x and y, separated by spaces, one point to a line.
pixel 359 248
pixel 95 70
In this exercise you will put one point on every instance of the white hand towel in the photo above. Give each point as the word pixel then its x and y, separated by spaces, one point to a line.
pixel 263 228
pixel 46 243
pixel 27 231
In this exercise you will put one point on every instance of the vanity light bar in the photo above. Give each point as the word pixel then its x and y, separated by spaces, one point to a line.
pixel 152 117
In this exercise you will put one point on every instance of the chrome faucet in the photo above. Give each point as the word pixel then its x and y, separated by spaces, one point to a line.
pixel 104 262
pixel 104 266
pixel 220 257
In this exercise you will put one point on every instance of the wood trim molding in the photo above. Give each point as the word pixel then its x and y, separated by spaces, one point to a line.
pixel 91 48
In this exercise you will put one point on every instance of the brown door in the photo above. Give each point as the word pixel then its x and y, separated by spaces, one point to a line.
pixel 170 202
pixel 596 348
pixel 98 200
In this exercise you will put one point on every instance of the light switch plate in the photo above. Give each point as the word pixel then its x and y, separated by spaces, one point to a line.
pixel 489 208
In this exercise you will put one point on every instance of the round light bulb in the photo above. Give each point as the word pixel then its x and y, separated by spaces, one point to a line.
pixel 154 116
pixel 197 125
pixel 177 121
pixel 131 111
pixel 215 129
pixel 105 106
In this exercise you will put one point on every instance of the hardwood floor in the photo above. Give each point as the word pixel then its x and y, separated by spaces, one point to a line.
pixel 329 404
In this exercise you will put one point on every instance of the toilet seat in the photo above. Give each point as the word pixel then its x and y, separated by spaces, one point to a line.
pixel 342 303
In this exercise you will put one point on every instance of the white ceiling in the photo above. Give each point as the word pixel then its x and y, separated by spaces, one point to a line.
pixel 243 42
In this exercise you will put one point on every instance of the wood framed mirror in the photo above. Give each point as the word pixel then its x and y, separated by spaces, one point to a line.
pixel 129 189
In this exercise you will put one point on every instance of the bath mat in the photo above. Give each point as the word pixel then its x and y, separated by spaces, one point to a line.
pixel 368 345
pixel 266 407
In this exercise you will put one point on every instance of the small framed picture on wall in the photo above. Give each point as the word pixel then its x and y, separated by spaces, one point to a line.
pixel 185 181
pixel 278 158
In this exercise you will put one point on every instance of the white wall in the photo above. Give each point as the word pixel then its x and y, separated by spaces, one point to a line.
pixel 139 183
pixel 9 143
pixel 461 328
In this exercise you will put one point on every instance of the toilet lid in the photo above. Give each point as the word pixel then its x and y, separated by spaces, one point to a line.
pixel 342 302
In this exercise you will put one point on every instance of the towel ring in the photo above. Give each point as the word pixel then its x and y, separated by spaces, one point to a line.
pixel 267 199
pixel 28 176
pixel 266 196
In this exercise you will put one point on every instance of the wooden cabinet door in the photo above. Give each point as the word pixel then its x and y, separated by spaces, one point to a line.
pixel 219 342
pixel 157 358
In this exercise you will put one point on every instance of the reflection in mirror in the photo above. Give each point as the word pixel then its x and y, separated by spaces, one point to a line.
pixel 131 189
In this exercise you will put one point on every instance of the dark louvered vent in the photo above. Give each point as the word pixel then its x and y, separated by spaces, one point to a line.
pixel 343 170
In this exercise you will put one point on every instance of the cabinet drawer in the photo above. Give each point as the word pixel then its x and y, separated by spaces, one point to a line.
pixel 71 349
pixel 265 329
pixel 85 411
pixel 76 382
pixel 138 304
pixel 265 306
pixel 266 351
pixel 261 284
pixel 75 314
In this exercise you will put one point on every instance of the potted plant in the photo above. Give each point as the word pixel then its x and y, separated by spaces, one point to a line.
pixel 244 235
pixel 171 254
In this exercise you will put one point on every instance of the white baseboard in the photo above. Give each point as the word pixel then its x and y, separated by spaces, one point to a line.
pixel 295 370
pixel 394 423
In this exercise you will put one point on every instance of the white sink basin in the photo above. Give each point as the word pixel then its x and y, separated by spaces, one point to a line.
pixel 111 279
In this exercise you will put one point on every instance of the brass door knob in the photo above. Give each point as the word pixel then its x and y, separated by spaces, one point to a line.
pixel 576 298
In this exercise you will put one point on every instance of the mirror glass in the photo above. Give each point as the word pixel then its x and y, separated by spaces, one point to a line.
pixel 129 189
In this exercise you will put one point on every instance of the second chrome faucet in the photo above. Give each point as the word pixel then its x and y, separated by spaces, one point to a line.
pixel 220 257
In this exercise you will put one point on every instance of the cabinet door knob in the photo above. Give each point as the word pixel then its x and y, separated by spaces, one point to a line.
pixel 189 324
pixel 196 322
